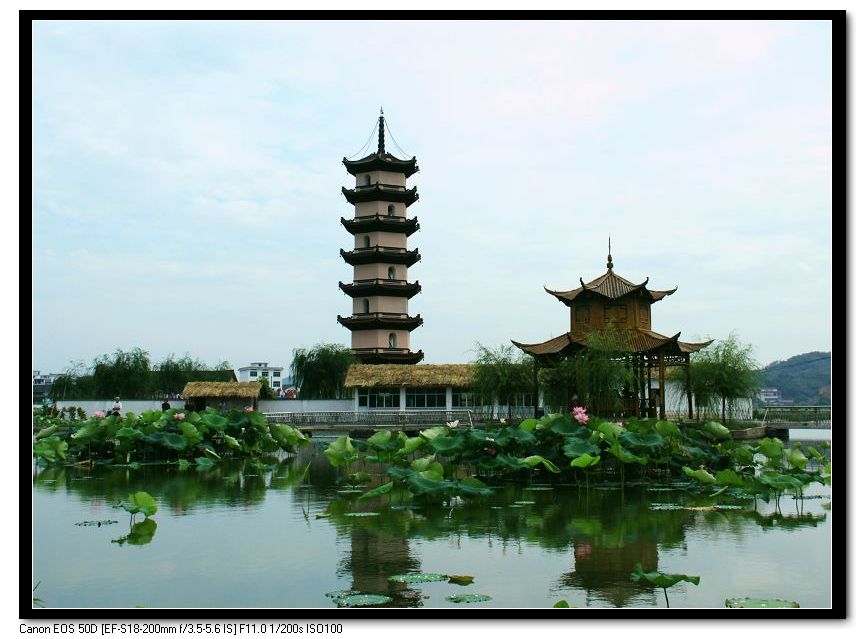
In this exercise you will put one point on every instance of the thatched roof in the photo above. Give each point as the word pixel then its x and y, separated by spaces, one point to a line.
pixel 222 389
pixel 422 375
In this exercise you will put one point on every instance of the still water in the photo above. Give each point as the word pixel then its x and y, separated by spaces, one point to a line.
pixel 237 537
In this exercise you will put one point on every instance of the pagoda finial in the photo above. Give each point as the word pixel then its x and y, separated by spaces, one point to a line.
pixel 609 255
pixel 381 131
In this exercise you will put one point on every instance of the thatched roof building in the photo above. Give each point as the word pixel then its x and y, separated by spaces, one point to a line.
pixel 419 375
pixel 249 390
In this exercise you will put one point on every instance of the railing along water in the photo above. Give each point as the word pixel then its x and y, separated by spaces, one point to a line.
pixel 372 418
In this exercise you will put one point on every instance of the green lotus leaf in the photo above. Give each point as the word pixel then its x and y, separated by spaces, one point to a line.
pixel 716 430
pixel 89 431
pixel 611 431
pixel 362 599
pixel 422 463
pixel 47 432
pixel 409 446
pixel 360 477
pixel 231 441
pixel 434 433
pixel 561 603
pixel 576 447
pixel 748 602
pixel 435 472
pixel 772 448
pixel 667 429
pixel 288 437
pixel 51 449
pixel 661 579
pixel 151 416
pixel 257 421
pixel 128 434
pixel 140 534
pixel 447 445
pixel 377 492
pixel 468 598
pixel 183 464
pixel 203 463
pixel 585 460
pixel 338 594
pixel 214 421
pixel 190 433
pixel 140 502
pixel 649 444
pixel 566 425
pixel 727 477
pixel 743 455
pixel 779 481
pixel 624 455
pixel 418 577
pixel 701 475
pixel 528 425
pixel 379 438
pixel 533 460
pixel 460 580
pixel 237 419
pixel 423 486
pixel 796 458
pixel 473 487
pixel 520 436
pixel 341 451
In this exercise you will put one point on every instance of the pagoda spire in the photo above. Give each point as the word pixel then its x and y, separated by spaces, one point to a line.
pixel 381 131
pixel 609 255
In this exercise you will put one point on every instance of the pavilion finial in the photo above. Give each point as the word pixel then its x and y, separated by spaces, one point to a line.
pixel 381 131
pixel 609 255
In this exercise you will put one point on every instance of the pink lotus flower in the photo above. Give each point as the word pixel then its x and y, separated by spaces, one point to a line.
pixel 620 424
pixel 179 416
pixel 98 413
pixel 248 409
pixel 580 414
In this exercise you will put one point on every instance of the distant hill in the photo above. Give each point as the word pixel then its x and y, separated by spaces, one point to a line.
pixel 804 378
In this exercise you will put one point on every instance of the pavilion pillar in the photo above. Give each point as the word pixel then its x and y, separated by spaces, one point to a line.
pixel 688 386
pixel 649 412
pixel 635 385
pixel 662 367
pixel 641 365
pixel 535 387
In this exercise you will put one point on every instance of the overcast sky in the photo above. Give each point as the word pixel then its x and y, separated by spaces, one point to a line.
pixel 187 180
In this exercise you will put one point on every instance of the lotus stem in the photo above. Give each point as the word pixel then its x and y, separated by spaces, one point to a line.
pixel 667 598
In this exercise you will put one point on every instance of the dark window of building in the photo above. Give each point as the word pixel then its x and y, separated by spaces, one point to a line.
pixel 253 374
pixel 366 241
pixel 365 305
pixel 367 180
pixel 378 397
pixel 391 340
pixel 462 398
pixel 391 209
pixel 425 398
pixel 391 272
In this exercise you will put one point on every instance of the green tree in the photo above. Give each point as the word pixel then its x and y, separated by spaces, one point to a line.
pixel 500 373
pixel 125 373
pixel 319 372
pixel 721 373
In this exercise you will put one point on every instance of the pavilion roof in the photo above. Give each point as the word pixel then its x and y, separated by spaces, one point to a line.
pixel 636 340
pixel 610 285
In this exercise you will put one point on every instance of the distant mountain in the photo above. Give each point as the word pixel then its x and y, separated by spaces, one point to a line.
pixel 804 379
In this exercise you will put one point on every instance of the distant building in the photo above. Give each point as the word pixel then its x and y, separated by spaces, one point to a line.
pixel 769 396
pixel 42 384
pixel 261 372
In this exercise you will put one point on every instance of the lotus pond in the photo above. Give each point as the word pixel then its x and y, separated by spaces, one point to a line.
pixel 294 534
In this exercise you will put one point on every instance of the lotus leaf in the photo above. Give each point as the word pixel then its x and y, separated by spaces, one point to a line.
pixel 376 492
pixel 649 444
pixel 191 434
pixel 748 602
pixel 203 463
pixel 362 514
pixel 287 436
pixel 362 599
pixel 585 460
pixel 518 435
pixel 435 472
pixel 51 449
pixel 128 434
pixel 379 438
pixel 528 425
pixel 447 445
pixel 660 579
pixel 359 477
pixel 140 502
pixel 214 421
pixel 566 425
pixel 341 451
pixel 237 419
pixel 625 456
pixel 168 440
pixel 468 598
pixel 47 432
pixel 434 433
pixel 151 416
pixel 418 577
pixel 716 430
pixel 231 441
pixel 140 534
pixel 409 446
pixel 611 431
pixel 460 580
pixel 778 481
pixel 256 420
pixel 422 486
pixel 471 487
pixel 507 462
pixel 576 447
pixel 701 475
pixel 538 488
pixel 667 429
pixel 772 448
pixel 561 604
pixel 89 431
pixel 727 477
pixel 422 463
pixel 534 460
pixel 796 458
pixel 183 464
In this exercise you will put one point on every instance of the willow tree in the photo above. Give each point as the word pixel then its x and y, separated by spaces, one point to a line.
pixel 319 372
pixel 596 376
pixel 722 373
pixel 500 373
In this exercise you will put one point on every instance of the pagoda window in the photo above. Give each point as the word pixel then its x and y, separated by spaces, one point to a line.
pixel 391 340
pixel 391 272
pixel 366 241
pixel 616 313
pixel 391 210
pixel 367 180
pixel 365 305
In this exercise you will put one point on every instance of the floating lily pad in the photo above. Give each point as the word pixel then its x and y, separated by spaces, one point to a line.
pixel 748 602
pixel 524 502
pixel 403 507
pixel 496 507
pixel 666 507
pixel 460 580
pixel 99 523
pixel 339 594
pixel 662 489
pixel 362 599
pixel 468 598
pixel 728 507
pixel 418 577
pixel 539 488
pixel 361 514
pixel 517 506
pixel 349 491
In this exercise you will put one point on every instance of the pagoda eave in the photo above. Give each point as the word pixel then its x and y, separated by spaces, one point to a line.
pixel 371 321
pixel 381 193
pixel 385 162
pixel 380 255
pixel 389 223
pixel 383 287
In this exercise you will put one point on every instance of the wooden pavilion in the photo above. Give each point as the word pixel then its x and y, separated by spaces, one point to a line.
pixel 611 300
pixel 222 395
